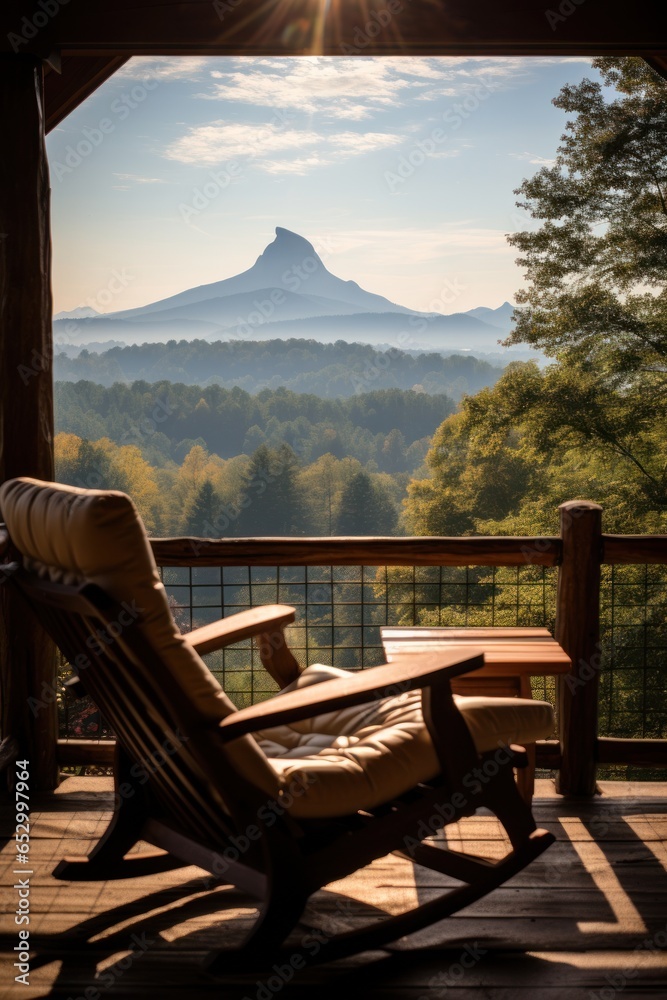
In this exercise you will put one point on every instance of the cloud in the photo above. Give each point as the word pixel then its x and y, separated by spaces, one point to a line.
pixel 226 141
pixel 356 143
pixel 136 179
pixel 301 165
pixel 332 86
pixel 357 89
pixel 163 68
pixel 452 239
pixel 222 141
pixel 336 85
pixel 541 161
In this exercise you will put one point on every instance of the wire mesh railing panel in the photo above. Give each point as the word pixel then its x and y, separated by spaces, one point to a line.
pixel 340 610
pixel 633 645
pixel 339 613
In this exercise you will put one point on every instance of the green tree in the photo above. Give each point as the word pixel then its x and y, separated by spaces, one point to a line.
pixel 204 511
pixel 596 298
pixel 89 465
pixel 322 483
pixel 365 509
pixel 478 469
pixel 271 502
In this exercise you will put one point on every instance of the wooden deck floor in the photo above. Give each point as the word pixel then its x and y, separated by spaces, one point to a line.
pixel 587 920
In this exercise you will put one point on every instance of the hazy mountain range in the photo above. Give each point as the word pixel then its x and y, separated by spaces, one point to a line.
pixel 287 293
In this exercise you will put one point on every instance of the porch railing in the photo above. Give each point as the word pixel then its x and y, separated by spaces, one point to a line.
pixel 345 588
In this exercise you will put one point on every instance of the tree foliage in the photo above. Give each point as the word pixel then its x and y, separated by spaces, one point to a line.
pixel 330 371
pixel 365 508
pixel 165 420
pixel 596 298
pixel 592 423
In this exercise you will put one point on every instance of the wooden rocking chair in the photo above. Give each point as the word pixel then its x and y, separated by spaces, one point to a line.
pixel 342 768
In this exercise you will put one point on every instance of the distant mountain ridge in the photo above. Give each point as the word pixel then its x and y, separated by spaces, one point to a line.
pixel 328 371
pixel 287 292
pixel 81 312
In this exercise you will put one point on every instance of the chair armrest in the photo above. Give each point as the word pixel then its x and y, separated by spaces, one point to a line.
pixel 385 681
pixel 240 626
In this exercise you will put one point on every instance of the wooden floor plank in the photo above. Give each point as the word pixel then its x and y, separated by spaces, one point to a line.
pixel 592 912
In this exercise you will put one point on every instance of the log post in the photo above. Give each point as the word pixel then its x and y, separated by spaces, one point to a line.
pixel 578 632
pixel 27 658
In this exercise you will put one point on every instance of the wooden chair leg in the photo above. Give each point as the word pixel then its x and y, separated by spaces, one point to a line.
pixel 280 910
pixel 503 797
pixel 525 776
pixel 276 657
pixel 107 859
pixel 277 918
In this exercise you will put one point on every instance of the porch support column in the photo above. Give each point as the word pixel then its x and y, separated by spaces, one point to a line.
pixel 27 657
pixel 578 632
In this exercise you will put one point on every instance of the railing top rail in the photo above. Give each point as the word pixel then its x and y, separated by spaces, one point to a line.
pixel 634 549
pixel 358 551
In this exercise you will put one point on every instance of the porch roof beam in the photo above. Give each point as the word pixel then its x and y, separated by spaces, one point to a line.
pixel 76 79
pixel 364 27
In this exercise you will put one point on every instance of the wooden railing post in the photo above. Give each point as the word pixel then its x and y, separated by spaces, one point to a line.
pixel 27 655
pixel 578 632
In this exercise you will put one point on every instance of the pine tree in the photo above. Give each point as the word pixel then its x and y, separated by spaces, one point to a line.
pixel 365 509
pixel 271 502
pixel 204 511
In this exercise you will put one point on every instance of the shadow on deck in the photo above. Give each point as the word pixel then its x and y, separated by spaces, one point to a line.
pixel 587 920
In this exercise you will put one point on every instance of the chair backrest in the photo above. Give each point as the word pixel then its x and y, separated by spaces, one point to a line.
pixel 88 562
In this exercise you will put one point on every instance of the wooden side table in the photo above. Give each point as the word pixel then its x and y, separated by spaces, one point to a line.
pixel 511 657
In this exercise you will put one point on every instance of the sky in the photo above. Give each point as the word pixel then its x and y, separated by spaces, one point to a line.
pixel 400 171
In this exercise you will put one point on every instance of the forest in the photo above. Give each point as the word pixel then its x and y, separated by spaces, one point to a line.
pixel 330 371
pixel 185 453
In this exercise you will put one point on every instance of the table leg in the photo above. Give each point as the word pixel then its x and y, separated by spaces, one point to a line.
pixel 526 775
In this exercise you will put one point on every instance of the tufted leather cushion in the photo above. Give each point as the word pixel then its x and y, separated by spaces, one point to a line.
pixel 359 757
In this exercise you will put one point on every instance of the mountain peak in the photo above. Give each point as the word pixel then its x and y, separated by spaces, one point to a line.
pixel 288 247
pixel 287 234
pixel 289 264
